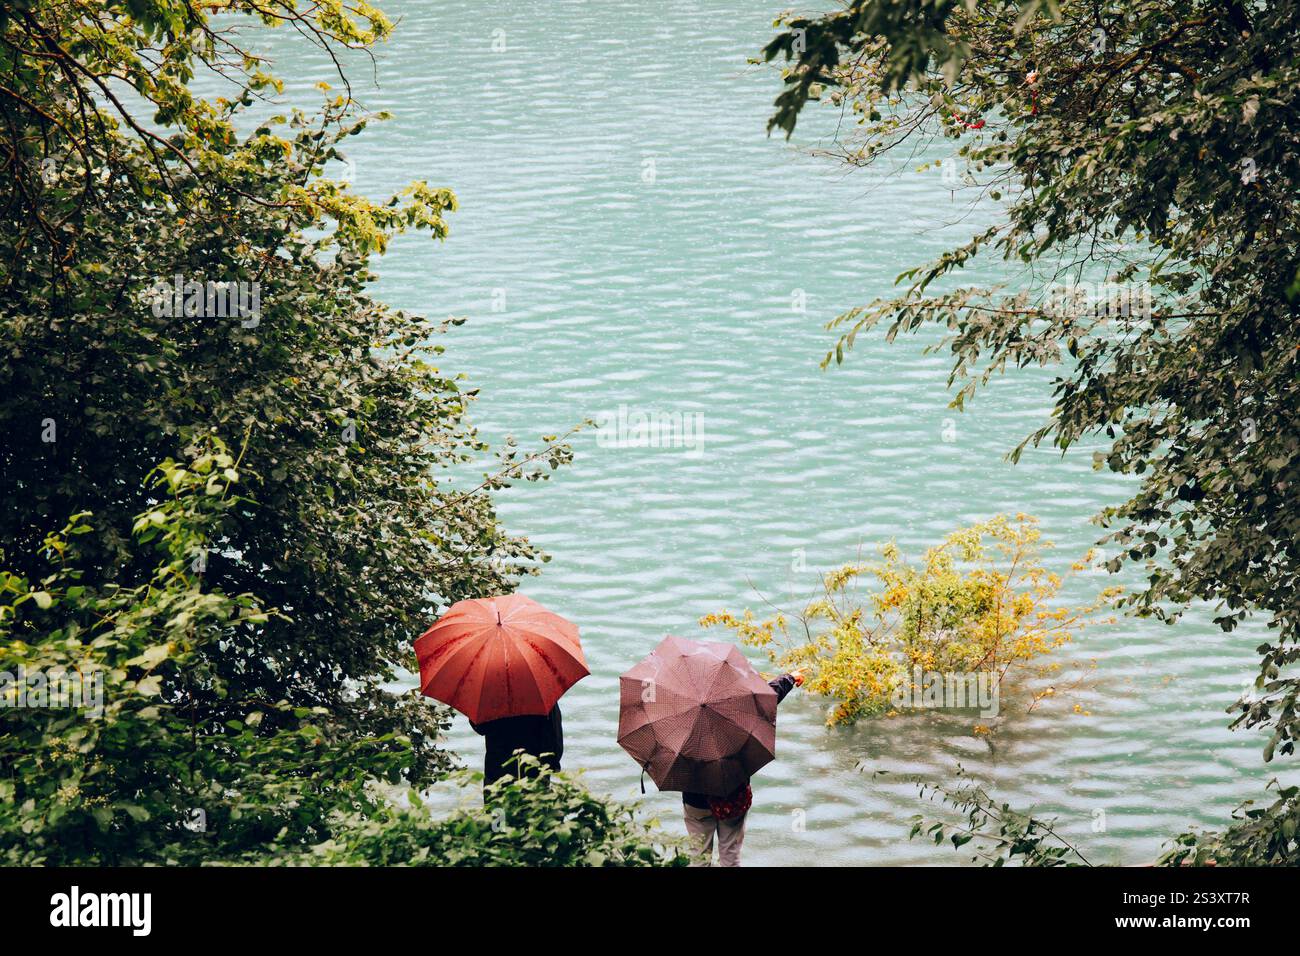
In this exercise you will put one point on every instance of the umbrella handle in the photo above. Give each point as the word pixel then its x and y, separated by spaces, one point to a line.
pixel 643 780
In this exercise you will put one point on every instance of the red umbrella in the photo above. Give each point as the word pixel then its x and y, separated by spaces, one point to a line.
pixel 499 657
pixel 696 716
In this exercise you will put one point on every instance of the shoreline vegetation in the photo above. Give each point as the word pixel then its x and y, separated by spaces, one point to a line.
pixel 237 520
pixel 1123 145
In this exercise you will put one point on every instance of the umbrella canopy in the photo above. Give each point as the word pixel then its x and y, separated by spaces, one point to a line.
pixel 696 716
pixel 499 657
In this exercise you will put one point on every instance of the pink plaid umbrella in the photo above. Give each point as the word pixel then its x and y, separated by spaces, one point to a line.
pixel 696 716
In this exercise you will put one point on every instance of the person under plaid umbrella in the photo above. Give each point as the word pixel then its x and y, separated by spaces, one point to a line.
pixel 707 817
pixel 698 718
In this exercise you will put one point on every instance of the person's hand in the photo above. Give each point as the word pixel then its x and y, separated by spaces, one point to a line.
pixel 798 678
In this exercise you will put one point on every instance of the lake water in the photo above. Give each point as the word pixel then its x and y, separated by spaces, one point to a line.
pixel 628 236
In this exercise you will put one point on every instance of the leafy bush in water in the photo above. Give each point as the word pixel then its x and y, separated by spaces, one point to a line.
pixel 979 603
pixel 993 833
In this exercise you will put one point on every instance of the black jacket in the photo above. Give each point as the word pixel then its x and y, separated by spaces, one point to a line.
pixel 782 685
pixel 532 735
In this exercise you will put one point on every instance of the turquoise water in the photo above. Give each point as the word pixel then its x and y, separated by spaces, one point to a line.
pixel 588 288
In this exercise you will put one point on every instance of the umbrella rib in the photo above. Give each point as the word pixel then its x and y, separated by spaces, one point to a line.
pixel 518 647
pixel 560 645
pixel 557 636
pixel 469 669
pixel 719 676
pixel 446 649
pixel 544 657
pixel 463 644
pixel 741 693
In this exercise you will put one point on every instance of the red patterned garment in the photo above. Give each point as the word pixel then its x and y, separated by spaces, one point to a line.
pixel 734 805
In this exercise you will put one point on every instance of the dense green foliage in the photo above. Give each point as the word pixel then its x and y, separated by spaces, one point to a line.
pixel 1150 145
pixel 544 819
pixel 248 662
pixel 144 774
pixel 144 777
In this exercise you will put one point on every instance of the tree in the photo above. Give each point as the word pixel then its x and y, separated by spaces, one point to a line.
pixel 1150 146
pixel 110 753
pixel 169 283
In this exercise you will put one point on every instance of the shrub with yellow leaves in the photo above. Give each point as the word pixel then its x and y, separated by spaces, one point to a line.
pixel 981 602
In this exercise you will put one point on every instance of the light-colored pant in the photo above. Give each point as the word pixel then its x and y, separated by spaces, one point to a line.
pixel 701 825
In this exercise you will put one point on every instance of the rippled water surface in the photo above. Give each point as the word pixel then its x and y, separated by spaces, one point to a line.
pixel 587 287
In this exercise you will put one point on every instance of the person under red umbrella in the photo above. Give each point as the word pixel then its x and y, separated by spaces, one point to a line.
pixel 540 736
pixel 504 663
